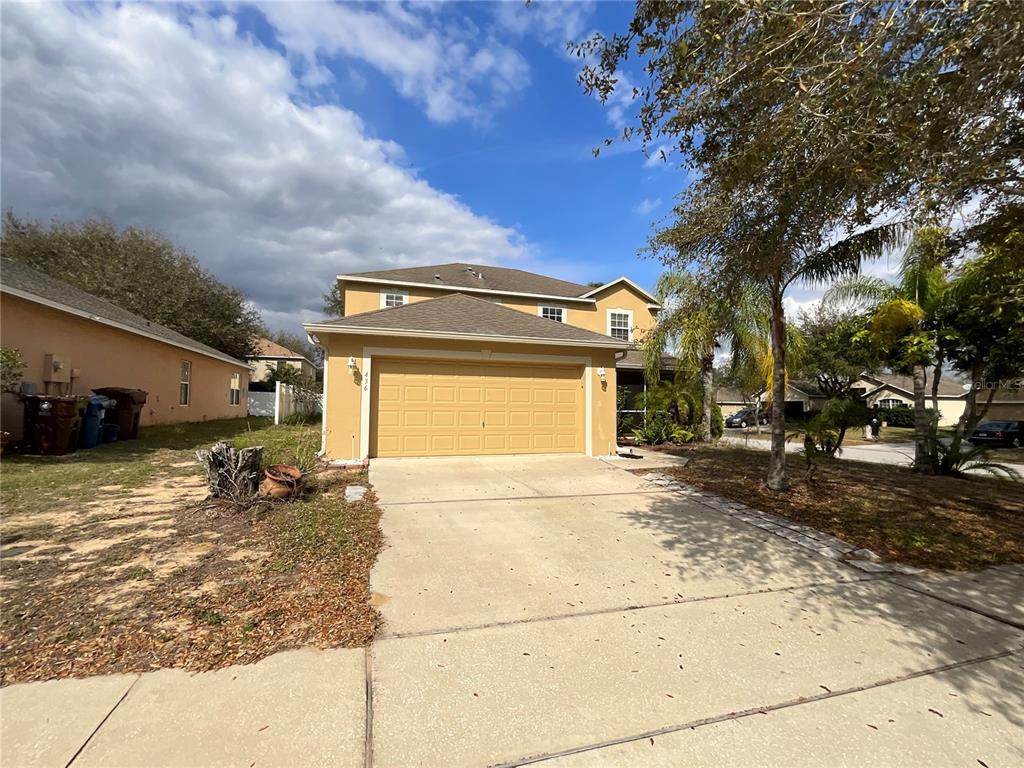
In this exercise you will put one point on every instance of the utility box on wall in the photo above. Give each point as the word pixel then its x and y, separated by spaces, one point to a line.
pixel 57 369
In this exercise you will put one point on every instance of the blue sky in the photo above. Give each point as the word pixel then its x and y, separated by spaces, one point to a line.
pixel 287 142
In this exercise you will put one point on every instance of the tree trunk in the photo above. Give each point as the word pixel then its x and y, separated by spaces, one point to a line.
pixel 232 474
pixel 707 382
pixel 777 461
pixel 971 416
pixel 924 447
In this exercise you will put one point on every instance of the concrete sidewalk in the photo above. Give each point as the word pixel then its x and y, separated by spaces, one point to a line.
pixel 558 609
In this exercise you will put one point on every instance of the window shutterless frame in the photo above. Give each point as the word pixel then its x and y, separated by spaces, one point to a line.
pixel 620 324
pixel 393 297
pixel 235 392
pixel 552 312
pixel 185 383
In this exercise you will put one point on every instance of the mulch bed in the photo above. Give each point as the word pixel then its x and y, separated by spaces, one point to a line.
pixel 275 576
pixel 931 522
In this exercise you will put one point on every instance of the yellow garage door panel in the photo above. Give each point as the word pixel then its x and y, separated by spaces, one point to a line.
pixel 434 408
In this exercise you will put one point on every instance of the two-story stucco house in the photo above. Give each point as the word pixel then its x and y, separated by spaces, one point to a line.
pixel 459 359
pixel 270 355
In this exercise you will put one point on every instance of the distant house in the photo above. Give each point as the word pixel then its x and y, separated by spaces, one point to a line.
pixel 270 355
pixel 888 390
pixel 74 342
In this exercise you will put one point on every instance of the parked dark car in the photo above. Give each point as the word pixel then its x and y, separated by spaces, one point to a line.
pixel 745 418
pixel 1009 433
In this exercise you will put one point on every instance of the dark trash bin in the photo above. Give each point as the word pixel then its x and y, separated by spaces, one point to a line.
pixel 89 434
pixel 126 409
pixel 109 432
pixel 52 423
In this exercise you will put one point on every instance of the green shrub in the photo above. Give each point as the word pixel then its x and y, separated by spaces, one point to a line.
pixel 660 428
pixel 11 367
pixel 717 421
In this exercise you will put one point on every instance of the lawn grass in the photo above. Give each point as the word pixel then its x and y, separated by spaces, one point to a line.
pixel 100 579
pixel 30 483
pixel 933 522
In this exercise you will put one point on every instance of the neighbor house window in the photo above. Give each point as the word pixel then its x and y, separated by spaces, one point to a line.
pixel 184 382
pixel 890 403
pixel 620 324
pixel 392 297
pixel 553 313
pixel 235 392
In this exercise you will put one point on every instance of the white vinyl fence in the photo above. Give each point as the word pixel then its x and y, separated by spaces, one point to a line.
pixel 289 399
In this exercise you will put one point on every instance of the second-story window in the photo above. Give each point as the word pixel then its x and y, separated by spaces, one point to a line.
pixel 393 297
pixel 553 313
pixel 620 324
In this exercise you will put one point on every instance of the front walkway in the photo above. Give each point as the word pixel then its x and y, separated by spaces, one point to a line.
pixel 559 609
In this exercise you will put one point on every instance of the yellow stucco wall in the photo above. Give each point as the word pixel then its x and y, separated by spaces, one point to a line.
pixel 345 390
pixel 362 297
pixel 110 357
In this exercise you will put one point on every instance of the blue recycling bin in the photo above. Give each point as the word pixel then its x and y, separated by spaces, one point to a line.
pixel 89 435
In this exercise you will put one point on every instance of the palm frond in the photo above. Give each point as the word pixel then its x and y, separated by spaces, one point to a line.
pixel 862 289
pixel 844 258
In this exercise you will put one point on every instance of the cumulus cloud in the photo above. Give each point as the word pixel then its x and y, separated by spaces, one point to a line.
pixel 552 22
pixel 451 67
pixel 167 117
pixel 645 206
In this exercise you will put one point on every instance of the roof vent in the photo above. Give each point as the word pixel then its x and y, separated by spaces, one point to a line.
pixel 437 277
pixel 480 275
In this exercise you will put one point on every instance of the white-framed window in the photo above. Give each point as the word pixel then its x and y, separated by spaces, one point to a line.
pixel 620 324
pixel 393 297
pixel 552 312
pixel 891 402
pixel 184 383
pixel 235 392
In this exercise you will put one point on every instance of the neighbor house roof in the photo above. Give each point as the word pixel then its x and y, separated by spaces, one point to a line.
pixel 457 316
pixel 21 280
pixel 479 278
pixel 265 348
pixel 948 387
pixel 634 359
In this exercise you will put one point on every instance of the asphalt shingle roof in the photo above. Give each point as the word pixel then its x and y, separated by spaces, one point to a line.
pixel 24 278
pixel 634 359
pixel 460 275
pixel 458 313
pixel 268 348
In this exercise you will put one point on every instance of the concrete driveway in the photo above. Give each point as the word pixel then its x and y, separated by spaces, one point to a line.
pixel 561 609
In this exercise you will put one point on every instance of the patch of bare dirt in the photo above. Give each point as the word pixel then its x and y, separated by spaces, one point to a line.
pixel 160 579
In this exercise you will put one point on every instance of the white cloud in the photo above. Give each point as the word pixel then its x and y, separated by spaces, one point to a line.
pixel 165 117
pixel 553 22
pixel 452 68
pixel 645 206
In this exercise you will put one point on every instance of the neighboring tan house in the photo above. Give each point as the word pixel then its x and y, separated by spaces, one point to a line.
pixel 459 359
pixel 74 342
pixel 887 390
pixel 270 355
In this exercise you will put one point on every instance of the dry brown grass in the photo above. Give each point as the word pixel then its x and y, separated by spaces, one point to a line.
pixel 933 522
pixel 105 582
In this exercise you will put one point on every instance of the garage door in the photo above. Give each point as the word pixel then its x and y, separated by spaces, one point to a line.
pixel 428 408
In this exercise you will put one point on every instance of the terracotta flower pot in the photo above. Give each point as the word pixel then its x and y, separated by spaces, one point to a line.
pixel 281 480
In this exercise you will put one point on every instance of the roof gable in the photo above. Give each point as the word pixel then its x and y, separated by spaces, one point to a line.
pixel 457 315
pixel 21 280
pixel 622 282
pixel 268 348
pixel 474 277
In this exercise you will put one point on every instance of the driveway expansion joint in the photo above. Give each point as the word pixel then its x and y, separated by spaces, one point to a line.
pixel 956 604
pixel 102 722
pixel 625 609
pixel 763 710
pixel 368 725
pixel 479 499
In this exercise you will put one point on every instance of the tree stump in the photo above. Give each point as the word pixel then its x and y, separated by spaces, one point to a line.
pixel 232 474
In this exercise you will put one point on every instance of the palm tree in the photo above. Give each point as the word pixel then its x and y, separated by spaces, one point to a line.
pixel 698 322
pixel 899 314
